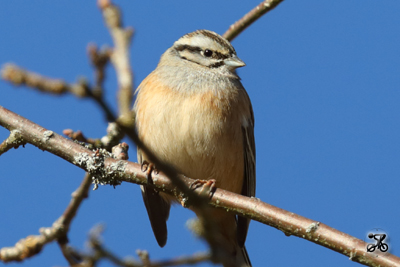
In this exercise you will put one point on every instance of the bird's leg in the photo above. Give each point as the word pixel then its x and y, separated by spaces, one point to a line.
pixel 148 168
pixel 207 186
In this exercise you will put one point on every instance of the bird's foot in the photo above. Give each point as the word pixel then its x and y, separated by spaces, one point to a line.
pixel 149 168
pixel 207 187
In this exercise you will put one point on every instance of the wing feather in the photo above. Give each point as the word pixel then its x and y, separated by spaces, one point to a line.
pixel 249 181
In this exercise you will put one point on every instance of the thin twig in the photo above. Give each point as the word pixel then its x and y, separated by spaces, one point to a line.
pixel 77 197
pixel 80 137
pixel 99 252
pixel 33 244
pixel 19 76
pixel 120 170
pixel 14 140
pixel 120 55
pixel 240 25
pixel 99 60
pixel 111 139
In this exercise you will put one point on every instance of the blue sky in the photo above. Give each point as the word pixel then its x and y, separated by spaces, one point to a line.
pixel 324 80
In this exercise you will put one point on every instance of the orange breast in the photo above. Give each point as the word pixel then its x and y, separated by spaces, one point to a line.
pixel 198 133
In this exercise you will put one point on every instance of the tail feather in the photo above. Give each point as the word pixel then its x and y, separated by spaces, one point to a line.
pixel 243 258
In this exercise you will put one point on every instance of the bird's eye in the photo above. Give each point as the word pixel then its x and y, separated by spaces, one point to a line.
pixel 208 53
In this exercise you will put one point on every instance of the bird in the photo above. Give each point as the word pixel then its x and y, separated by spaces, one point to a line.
pixel 193 112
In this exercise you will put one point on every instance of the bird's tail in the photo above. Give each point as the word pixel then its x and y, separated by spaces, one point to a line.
pixel 241 259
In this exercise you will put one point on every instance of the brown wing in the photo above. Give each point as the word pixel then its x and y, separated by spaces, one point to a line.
pixel 157 209
pixel 249 181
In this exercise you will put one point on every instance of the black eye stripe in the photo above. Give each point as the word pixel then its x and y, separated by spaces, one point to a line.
pixel 196 49
pixel 212 66
pixel 219 55
pixel 216 65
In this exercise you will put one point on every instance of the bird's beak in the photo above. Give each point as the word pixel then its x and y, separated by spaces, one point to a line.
pixel 234 62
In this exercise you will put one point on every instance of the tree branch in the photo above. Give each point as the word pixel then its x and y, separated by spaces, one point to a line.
pixel 19 76
pixel 256 13
pixel 120 54
pixel 108 170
